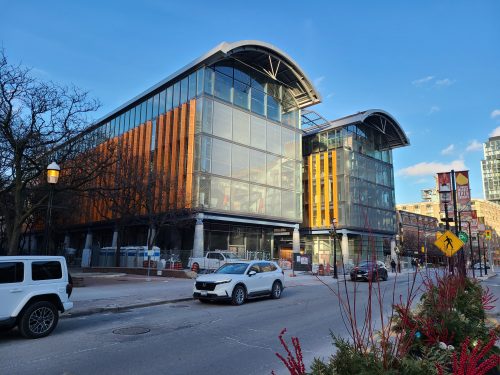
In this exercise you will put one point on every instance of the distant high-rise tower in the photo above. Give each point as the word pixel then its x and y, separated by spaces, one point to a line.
pixel 490 170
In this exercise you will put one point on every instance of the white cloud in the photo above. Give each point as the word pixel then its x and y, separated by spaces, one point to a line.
pixel 474 145
pixel 330 95
pixel 430 169
pixel 496 132
pixel 448 150
pixel 434 109
pixel 444 82
pixel 422 81
pixel 495 113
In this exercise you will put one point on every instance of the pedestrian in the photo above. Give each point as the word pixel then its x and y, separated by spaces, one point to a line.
pixel 393 266
pixel 413 264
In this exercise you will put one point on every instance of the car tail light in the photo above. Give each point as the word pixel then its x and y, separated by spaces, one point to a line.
pixel 69 289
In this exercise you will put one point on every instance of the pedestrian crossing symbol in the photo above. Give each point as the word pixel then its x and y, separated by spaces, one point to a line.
pixel 448 243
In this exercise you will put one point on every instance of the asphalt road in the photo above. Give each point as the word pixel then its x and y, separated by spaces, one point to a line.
pixel 191 337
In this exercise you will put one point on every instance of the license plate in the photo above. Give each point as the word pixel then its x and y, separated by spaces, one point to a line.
pixel 203 293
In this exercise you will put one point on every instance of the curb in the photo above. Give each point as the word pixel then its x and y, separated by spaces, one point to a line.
pixel 115 309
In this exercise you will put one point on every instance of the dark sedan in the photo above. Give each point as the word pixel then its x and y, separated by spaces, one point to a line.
pixel 370 270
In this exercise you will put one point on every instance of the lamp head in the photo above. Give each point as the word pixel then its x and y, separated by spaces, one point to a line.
pixel 53 171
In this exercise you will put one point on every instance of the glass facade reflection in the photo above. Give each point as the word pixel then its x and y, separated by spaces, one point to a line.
pixel 247 145
pixel 349 179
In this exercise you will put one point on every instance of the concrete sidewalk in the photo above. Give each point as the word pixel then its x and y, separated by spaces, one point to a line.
pixel 113 292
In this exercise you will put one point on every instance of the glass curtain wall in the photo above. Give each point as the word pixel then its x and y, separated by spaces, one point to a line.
pixel 248 158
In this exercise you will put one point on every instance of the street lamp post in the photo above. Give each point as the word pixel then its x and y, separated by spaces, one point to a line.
pixel 471 251
pixel 53 171
pixel 333 235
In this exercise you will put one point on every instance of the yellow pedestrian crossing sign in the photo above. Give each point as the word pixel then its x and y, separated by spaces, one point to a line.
pixel 448 243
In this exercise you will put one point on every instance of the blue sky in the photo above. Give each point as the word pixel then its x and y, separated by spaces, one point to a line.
pixel 434 65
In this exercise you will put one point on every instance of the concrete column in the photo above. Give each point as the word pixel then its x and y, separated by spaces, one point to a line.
pixel 345 248
pixel 198 237
pixel 296 239
pixel 88 240
pixel 393 250
pixel 114 241
pixel 66 241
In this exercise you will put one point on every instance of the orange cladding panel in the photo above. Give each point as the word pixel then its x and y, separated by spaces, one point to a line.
pixel 175 156
pixel 190 153
pixel 182 161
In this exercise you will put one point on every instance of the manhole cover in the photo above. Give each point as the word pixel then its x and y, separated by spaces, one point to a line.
pixel 131 331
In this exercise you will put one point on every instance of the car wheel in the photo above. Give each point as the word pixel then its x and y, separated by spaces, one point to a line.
pixel 386 277
pixel 38 320
pixel 238 296
pixel 276 290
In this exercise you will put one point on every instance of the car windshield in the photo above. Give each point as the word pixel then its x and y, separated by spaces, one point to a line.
pixel 233 268
pixel 230 256
pixel 366 264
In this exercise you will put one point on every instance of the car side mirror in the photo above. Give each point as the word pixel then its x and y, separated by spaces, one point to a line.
pixel 251 273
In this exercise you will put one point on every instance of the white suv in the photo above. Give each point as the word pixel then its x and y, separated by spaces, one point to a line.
pixel 238 281
pixel 32 291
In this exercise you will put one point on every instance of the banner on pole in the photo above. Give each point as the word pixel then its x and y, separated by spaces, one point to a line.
pixel 463 189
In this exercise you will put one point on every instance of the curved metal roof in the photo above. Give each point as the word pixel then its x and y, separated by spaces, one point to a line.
pixel 380 120
pixel 277 64
pixel 261 56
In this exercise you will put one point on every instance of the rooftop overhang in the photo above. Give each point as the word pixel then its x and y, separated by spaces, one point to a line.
pixel 276 64
pixel 376 119
pixel 261 56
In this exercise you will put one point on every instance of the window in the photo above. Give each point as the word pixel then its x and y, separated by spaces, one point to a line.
pixel 223 87
pixel 258 102
pixel 288 174
pixel 273 108
pixel 257 167
pixel 221 162
pixel 208 115
pixel 273 170
pixel 192 86
pixel 11 272
pixel 156 106
pixel 163 95
pixel 273 138
pixel 177 94
pixel 273 202
pixel 184 90
pixel 199 82
pixel 239 196
pixel 258 132
pixel 149 110
pixel 143 112
pixel 223 118
pixel 46 270
pixel 220 193
pixel 257 199
pixel 241 127
pixel 209 81
pixel 288 143
pixel 168 103
pixel 241 95
pixel 239 162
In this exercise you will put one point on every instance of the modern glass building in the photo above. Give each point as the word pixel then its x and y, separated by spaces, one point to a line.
pixel 490 170
pixel 348 176
pixel 222 139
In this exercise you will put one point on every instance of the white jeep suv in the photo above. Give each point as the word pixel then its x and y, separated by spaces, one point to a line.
pixel 33 289
pixel 238 281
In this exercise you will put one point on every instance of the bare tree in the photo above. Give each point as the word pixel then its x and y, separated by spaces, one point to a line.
pixel 133 192
pixel 40 122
